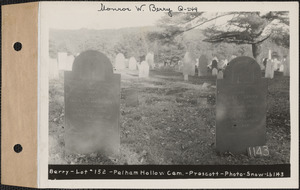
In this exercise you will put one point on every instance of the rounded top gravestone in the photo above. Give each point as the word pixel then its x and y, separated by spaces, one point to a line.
pixel 120 61
pixel 92 65
pixel 189 64
pixel 242 70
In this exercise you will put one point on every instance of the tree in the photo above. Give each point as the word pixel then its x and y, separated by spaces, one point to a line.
pixel 251 28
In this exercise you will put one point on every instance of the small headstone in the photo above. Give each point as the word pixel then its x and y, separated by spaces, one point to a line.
pixel 144 70
pixel 120 61
pixel 132 64
pixel 202 66
pixel 188 64
pixel 62 58
pixel 92 105
pixel 214 72
pixel 150 60
pixel 220 75
pixel 241 107
pixel 269 72
pixel 131 97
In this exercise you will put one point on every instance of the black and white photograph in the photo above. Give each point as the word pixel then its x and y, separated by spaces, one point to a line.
pixel 147 84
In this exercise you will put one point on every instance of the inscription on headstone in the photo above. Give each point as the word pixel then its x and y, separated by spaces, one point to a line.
pixel 92 104
pixel 241 107
pixel 202 66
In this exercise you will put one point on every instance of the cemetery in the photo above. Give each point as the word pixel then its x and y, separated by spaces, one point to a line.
pixel 204 105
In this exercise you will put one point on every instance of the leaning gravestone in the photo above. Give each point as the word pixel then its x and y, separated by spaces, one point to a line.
pixel 241 107
pixel 188 65
pixel 150 60
pixel 120 61
pixel 92 105
pixel 269 72
pixel 144 70
pixel 202 66
pixel 132 64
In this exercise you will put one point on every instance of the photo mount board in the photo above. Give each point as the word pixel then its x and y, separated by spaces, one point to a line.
pixel 21 74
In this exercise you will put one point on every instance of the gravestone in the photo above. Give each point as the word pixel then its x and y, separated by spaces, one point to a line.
pixel 286 67
pixel 120 61
pixel 150 60
pixel 188 65
pixel 269 72
pixel 144 70
pixel 92 105
pixel 131 97
pixel 214 64
pixel 214 72
pixel 281 68
pixel 220 75
pixel 241 107
pixel 53 69
pixel 62 58
pixel 202 66
pixel 132 64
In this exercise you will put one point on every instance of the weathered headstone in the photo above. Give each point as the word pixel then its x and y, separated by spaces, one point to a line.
pixel 241 107
pixel 150 60
pixel 286 67
pixel 202 66
pixel 269 72
pixel 120 61
pixel 144 70
pixel 214 72
pixel 62 58
pixel 132 64
pixel 220 75
pixel 188 65
pixel 92 105
pixel 131 97
pixel 53 69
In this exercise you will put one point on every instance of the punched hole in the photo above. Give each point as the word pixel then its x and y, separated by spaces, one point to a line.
pixel 17 46
pixel 18 148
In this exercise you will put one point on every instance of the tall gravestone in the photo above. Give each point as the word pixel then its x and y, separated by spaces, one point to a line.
pixel 241 107
pixel 286 67
pixel 150 60
pixel 132 64
pixel 144 70
pixel 92 105
pixel 188 65
pixel 269 72
pixel 202 66
pixel 120 61
pixel 214 72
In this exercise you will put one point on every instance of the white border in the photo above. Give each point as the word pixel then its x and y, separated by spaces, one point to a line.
pixel 176 183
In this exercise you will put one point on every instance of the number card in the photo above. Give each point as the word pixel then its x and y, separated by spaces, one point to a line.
pixel 258 151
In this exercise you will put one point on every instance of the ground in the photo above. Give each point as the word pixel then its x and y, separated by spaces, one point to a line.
pixel 174 123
